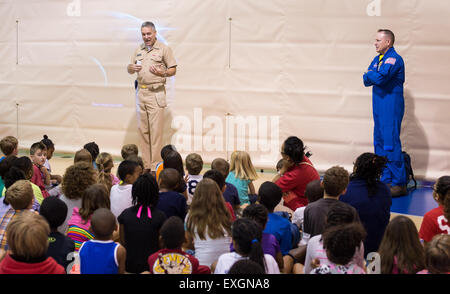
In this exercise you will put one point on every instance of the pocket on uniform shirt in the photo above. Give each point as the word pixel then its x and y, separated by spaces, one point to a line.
pixel 157 58
pixel 161 99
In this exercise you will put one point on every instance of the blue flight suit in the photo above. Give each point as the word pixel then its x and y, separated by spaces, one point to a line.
pixel 387 77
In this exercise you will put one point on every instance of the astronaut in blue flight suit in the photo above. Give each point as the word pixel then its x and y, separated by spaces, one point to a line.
pixel 386 75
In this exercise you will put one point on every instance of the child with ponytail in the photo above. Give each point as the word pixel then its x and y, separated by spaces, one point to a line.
pixel 436 221
pixel 55 179
pixel 370 197
pixel 247 236
pixel 104 164
pixel 295 173
pixel 141 223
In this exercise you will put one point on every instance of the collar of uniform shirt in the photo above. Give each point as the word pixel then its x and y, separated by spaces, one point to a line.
pixel 155 46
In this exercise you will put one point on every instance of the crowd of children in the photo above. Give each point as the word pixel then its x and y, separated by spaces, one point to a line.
pixel 180 220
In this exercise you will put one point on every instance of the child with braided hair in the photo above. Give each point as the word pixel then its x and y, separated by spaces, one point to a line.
pixel 104 164
pixel 140 224
pixel 370 197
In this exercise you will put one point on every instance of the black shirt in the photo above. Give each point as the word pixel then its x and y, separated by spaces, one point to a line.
pixel 59 247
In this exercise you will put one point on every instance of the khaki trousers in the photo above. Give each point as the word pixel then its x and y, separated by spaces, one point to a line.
pixel 151 104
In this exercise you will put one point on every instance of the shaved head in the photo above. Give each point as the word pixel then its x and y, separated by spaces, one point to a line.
pixel 103 223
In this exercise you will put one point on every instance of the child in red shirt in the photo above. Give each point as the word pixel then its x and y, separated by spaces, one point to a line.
pixel 172 259
pixel 28 242
pixel 41 176
pixel 436 221
pixel 296 172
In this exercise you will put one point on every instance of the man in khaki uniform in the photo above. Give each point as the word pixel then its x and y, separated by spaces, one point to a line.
pixel 153 62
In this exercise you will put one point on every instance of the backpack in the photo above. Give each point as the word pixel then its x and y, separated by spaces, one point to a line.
pixel 408 169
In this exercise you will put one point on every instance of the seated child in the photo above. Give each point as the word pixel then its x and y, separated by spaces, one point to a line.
pixel 141 223
pixel 339 214
pixel 94 197
pixel 437 255
pixel 270 195
pixel 269 243
pixel 60 246
pixel 20 196
pixel 10 147
pixel 194 165
pixel 171 202
pixel 20 168
pixel 313 192
pixel 137 159
pixel 340 243
pixel 246 267
pixel 120 194
pixel 400 250
pixel 164 151
pixel 102 255
pixel 220 180
pixel 5 169
pixel 437 220
pixel 173 160
pixel 288 196
pixel 105 163
pixel 246 234
pixel 28 243
pixel 129 149
pixel 242 174
pixel 82 155
pixel 55 179
pixel 41 176
pixel 208 224
pixel 172 259
pixel 94 150
pixel 334 183
pixel 77 178
pixel 231 194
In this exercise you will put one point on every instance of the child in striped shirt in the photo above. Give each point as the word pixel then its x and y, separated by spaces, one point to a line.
pixel 94 197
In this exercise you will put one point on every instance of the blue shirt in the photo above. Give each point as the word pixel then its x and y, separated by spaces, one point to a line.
pixel 172 203
pixel 241 186
pixel 374 211
pixel 2 185
pixel 99 257
pixel 280 227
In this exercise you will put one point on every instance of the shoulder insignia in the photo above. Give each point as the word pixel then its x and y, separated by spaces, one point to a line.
pixel 390 60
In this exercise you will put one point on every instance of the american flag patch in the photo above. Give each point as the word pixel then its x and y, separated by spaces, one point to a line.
pixel 390 60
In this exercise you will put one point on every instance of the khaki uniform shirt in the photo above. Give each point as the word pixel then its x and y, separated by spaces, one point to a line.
pixel 160 55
